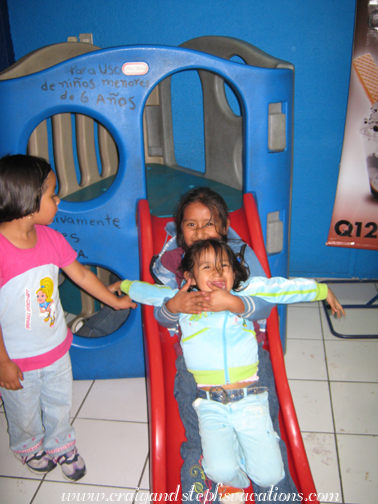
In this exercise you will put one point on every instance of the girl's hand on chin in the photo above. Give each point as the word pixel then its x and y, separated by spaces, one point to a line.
pixel 220 300
pixel 187 302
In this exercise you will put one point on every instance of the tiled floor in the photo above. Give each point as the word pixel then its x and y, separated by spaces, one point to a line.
pixel 325 373
pixel 334 383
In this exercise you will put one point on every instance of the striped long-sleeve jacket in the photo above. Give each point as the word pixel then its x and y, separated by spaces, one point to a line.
pixel 221 347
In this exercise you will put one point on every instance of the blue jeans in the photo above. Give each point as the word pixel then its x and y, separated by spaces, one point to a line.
pixel 192 474
pixel 103 322
pixel 238 439
pixel 38 415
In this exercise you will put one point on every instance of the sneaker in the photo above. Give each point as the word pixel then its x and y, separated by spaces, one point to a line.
pixel 73 465
pixel 39 463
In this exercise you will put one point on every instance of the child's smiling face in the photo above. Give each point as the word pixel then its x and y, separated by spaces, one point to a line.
pixel 199 224
pixel 209 268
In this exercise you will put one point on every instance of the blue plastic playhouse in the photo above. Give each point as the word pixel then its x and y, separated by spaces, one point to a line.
pixel 103 118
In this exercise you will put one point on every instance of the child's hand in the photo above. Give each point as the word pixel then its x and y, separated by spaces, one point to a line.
pixel 333 302
pixel 124 302
pixel 220 300
pixel 187 302
pixel 10 376
pixel 115 287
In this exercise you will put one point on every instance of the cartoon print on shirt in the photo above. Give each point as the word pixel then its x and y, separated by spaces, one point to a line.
pixel 45 300
pixel 198 316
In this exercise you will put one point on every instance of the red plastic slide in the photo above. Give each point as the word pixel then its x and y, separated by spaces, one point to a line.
pixel 166 430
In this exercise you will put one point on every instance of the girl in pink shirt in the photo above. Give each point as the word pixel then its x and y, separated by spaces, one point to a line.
pixel 35 367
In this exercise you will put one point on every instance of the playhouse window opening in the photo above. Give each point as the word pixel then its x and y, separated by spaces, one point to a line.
pixel 81 151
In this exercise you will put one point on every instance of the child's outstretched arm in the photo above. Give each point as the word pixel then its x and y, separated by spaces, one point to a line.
pixel 89 282
pixel 334 303
pixel 146 293
pixel 286 291
pixel 281 290
pixel 10 373
pixel 176 301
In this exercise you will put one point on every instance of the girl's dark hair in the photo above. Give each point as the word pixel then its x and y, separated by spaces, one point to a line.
pixel 210 199
pixel 192 255
pixel 22 178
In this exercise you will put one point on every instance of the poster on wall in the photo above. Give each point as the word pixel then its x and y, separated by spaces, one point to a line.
pixel 355 215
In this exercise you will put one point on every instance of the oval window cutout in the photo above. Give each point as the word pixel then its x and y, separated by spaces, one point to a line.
pixel 81 151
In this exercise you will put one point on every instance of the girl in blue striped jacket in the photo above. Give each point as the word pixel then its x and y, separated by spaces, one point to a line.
pixel 220 350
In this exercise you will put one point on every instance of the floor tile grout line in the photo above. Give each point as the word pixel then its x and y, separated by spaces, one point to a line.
pixel 361 434
pixel 138 422
pixel 328 433
pixel 355 382
pixel 331 337
pixel 82 484
pixel 308 379
pixel 19 477
pixel 334 381
pixel 324 345
pixel 304 339
pixel 336 339
pixel 332 408
pixel 141 477
pixel 349 382
pixel 83 401
pixel 37 490
pixel 355 434
pixel 333 434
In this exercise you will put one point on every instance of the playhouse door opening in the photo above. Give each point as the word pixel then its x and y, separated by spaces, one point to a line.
pixel 193 133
